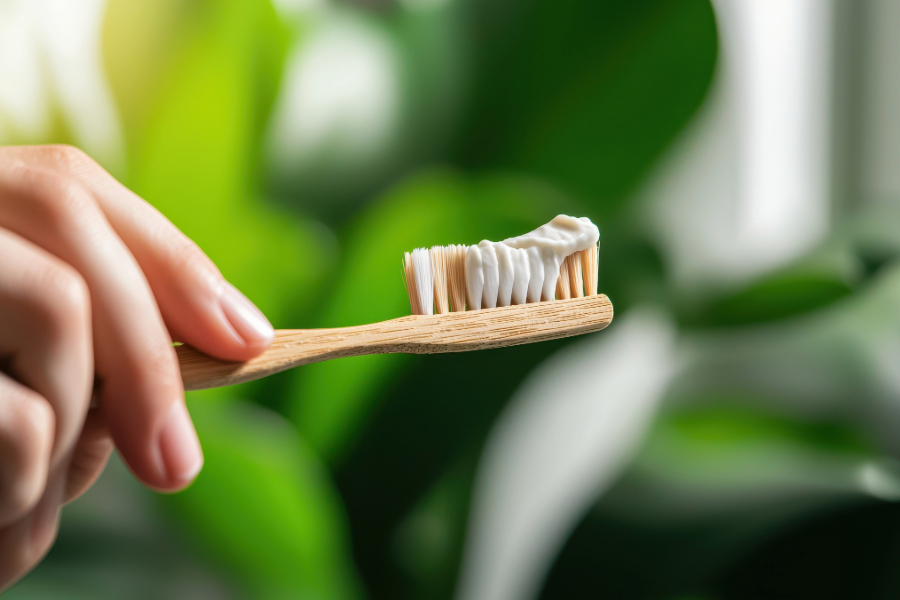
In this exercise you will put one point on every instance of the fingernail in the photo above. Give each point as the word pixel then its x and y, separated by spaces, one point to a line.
pixel 179 446
pixel 253 326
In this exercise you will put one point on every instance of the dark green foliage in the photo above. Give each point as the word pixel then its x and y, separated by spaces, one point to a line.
pixel 841 553
pixel 585 93
pixel 773 298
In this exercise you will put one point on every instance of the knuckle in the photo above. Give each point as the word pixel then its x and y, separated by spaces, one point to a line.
pixel 67 155
pixel 63 202
pixel 65 300
pixel 59 204
pixel 22 496
pixel 27 444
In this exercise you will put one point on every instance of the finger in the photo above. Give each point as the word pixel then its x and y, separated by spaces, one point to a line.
pixel 26 441
pixel 141 387
pixel 45 336
pixel 91 454
pixel 199 307
pixel 24 543
pixel 29 506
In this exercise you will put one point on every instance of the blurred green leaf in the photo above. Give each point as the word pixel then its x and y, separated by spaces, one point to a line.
pixel 776 297
pixel 265 506
pixel 815 282
pixel 435 207
pixel 737 427
pixel 195 148
pixel 720 457
pixel 586 93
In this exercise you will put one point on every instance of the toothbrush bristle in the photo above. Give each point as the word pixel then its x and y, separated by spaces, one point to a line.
pixel 576 282
pixel 419 280
pixel 562 284
pixel 409 274
pixel 589 259
pixel 424 279
pixel 438 268
pixel 456 272
pixel 436 278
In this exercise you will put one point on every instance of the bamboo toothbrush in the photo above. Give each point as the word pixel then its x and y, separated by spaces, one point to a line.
pixel 432 277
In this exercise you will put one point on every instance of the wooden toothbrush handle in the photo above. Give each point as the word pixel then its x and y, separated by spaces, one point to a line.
pixel 452 332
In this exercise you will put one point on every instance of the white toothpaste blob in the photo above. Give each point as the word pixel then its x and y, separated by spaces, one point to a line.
pixel 535 274
pixel 525 268
pixel 491 271
pixel 562 236
pixel 522 271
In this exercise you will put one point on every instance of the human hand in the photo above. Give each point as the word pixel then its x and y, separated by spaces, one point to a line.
pixel 94 285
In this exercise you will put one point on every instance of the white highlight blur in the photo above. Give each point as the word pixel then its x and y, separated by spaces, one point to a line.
pixel 880 480
pixel 52 60
pixel 566 435
pixel 784 89
pixel 748 188
pixel 881 102
pixel 426 5
pixel 339 94
pixel 292 9
pixel 23 103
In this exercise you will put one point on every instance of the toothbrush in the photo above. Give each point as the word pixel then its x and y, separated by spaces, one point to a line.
pixel 432 276
pixel 413 334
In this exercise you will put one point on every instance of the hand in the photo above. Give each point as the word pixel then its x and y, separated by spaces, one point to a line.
pixel 94 285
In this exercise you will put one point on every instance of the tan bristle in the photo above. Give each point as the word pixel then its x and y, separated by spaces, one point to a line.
pixel 589 260
pixel 562 284
pixel 410 278
pixel 455 256
pixel 576 283
pixel 438 268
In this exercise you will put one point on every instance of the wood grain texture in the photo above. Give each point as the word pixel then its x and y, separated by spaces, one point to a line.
pixel 414 334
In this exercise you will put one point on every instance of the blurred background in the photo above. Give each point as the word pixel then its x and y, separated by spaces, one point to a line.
pixel 734 433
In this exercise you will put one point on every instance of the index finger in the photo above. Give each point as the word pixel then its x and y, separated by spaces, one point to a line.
pixel 198 305
pixel 141 393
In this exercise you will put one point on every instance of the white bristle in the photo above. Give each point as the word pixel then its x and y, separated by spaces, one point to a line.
pixel 439 270
pixel 455 256
pixel 424 280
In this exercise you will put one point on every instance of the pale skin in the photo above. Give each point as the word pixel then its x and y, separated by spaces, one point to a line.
pixel 95 284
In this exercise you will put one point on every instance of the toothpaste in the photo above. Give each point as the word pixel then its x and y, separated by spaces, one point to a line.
pixel 524 268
